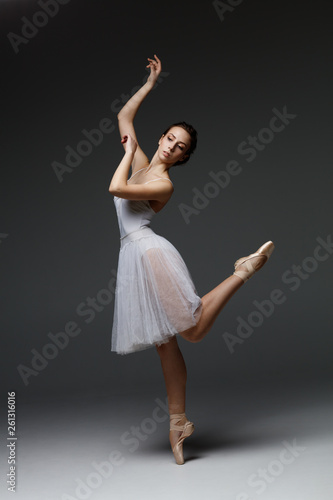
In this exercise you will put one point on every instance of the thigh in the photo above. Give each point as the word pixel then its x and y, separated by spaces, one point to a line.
pixel 170 289
pixel 162 279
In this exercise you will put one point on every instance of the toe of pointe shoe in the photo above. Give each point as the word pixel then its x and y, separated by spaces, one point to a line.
pixel 178 454
pixel 266 249
pixel 177 450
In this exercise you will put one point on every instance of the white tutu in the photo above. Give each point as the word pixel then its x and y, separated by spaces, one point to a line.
pixel 155 297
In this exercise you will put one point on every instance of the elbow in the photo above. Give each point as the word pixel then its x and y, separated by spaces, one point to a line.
pixel 124 116
pixel 114 189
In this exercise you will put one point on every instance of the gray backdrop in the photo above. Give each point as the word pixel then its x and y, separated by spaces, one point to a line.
pixel 228 71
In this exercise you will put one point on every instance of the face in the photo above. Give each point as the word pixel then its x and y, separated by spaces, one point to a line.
pixel 173 145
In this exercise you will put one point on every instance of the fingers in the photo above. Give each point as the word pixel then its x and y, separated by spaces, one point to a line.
pixel 153 62
pixel 128 139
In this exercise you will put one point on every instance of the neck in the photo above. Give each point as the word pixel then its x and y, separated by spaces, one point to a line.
pixel 157 165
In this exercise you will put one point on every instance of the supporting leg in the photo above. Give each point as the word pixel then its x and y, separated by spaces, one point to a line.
pixel 175 375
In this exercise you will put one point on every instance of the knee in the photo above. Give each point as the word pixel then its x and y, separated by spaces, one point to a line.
pixel 194 337
pixel 196 333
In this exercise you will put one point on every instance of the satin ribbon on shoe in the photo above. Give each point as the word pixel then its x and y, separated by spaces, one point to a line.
pixel 265 251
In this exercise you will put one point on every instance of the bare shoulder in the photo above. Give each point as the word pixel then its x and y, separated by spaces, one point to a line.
pixel 167 184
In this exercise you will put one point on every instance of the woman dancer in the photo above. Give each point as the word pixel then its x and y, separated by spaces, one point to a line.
pixel 155 298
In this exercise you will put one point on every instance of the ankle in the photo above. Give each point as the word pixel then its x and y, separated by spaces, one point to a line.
pixel 178 418
pixel 176 407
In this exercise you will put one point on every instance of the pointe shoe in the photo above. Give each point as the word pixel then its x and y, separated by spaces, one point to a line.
pixel 264 252
pixel 187 429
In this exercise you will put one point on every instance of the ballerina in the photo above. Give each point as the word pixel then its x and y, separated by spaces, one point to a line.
pixel 155 297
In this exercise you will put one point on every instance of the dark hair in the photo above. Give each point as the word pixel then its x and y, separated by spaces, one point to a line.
pixel 193 134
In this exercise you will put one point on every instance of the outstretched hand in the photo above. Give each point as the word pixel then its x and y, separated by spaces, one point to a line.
pixel 155 66
pixel 130 143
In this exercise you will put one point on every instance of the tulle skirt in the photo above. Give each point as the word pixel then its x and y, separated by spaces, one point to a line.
pixel 155 297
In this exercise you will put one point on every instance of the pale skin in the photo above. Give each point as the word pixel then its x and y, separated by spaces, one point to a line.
pixel 171 148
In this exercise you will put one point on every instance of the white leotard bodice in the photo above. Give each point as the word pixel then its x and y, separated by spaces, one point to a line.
pixel 134 214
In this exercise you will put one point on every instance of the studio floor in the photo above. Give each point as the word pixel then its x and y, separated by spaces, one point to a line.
pixel 248 444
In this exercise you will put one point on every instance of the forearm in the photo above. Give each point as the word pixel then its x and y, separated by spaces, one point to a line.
pixel 130 109
pixel 119 179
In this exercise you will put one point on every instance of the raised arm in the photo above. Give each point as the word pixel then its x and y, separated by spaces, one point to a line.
pixel 127 114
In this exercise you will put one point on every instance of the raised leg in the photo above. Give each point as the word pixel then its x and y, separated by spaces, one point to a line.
pixel 214 301
pixel 212 304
